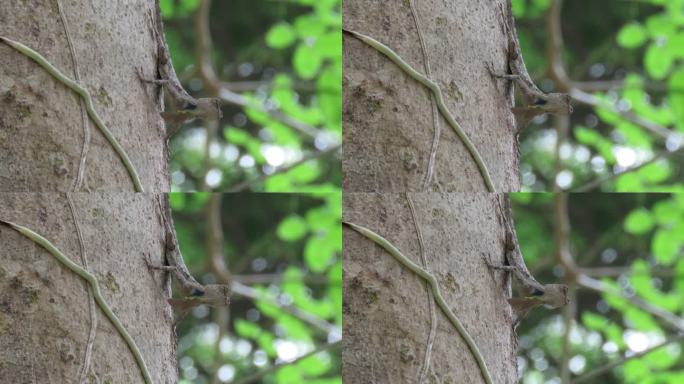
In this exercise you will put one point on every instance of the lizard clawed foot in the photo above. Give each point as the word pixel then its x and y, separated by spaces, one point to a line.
pixel 151 265
pixel 500 75
pixel 507 268
pixel 148 80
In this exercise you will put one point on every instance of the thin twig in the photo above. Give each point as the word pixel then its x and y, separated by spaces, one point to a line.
pixel 258 375
pixel 435 113
pixel 83 376
pixel 84 116
pixel 596 183
pixel 76 185
pixel 672 321
pixel 214 247
pixel 564 257
pixel 251 293
pixel 425 369
pixel 203 52
pixel 270 278
pixel 591 100
pixel 249 183
pixel 216 88
pixel 607 367
pixel 218 266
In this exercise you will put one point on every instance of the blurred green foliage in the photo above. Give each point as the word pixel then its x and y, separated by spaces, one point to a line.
pixel 284 58
pixel 286 247
pixel 633 51
pixel 634 242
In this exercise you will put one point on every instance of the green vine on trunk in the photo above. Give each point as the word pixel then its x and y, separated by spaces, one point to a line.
pixel 92 281
pixel 52 70
pixel 437 92
pixel 436 293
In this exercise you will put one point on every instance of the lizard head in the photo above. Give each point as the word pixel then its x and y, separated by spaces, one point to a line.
pixel 555 295
pixel 558 103
pixel 209 108
pixel 217 295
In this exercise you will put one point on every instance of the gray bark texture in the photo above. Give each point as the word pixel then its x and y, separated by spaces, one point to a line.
pixel 41 126
pixel 44 307
pixel 386 311
pixel 388 116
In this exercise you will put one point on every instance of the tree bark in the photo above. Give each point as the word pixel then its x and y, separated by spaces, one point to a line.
pixel 45 317
pixel 387 316
pixel 388 116
pixel 41 120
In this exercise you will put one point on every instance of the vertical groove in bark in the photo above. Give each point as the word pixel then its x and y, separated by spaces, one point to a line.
pixel 386 314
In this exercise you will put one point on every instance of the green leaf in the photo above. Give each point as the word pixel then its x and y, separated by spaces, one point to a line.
pixel 518 7
pixel 329 86
pixel 237 136
pixel 592 138
pixel 247 329
pixel 667 212
pixel 660 25
pixel 636 370
pixel 663 358
pixel 540 5
pixel 329 45
pixel 289 374
pixel 314 365
pixel 676 93
pixel 639 221
pixel 294 328
pixel 320 218
pixel 658 60
pixel 306 61
pixel 634 135
pixel 656 172
pixel 628 182
pixel 265 341
pixel 665 246
pixel 292 228
pixel 632 35
pixel 640 319
pixel 594 321
pixel 177 201
pixel 281 35
pixel 318 253
pixel 309 26
pixel 166 9
pixel 305 173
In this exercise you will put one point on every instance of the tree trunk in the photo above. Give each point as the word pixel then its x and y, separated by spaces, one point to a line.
pixel 387 310
pixel 42 131
pixel 45 318
pixel 388 116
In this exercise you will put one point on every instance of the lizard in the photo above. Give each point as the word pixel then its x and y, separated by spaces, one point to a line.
pixel 190 107
pixel 551 295
pixel 536 101
pixel 195 293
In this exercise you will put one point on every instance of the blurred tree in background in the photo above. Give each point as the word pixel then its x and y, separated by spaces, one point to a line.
pixel 277 68
pixel 622 63
pixel 623 257
pixel 281 255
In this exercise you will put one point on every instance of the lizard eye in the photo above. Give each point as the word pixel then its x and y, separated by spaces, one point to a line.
pixel 537 292
pixel 189 107
pixel 197 292
pixel 540 102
